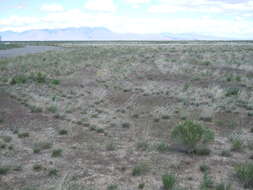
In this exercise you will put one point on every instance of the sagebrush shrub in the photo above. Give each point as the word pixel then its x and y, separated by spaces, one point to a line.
pixel 244 172
pixel 191 134
pixel 169 181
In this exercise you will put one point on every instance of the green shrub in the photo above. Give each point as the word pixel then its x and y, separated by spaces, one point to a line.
pixel 19 79
pixel 53 172
pixel 39 77
pixel 6 139
pixel 41 146
pixel 204 168
pixel 57 153
pixel 110 146
pixel 232 92
pixel 100 130
pixel 244 173
pixel 140 169
pixel 112 187
pixel 223 186
pixel 142 145
pixel 226 153
pixel 202 151
pixel 207 182
pixel 169 181
pixel 37 167
pixel 55 82
pixel 23 135
pixel 4 170
pixel 52 109
pixel 237 144
pixel 35 109
pixel 191 134
pixel 63 132
pixel 126 125
pixel 141 186
pixel 162 147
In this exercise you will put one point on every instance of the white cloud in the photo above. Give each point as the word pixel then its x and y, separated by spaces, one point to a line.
pixel 149 24
pixel 205 6
pixel 101 5
pixel 18 21
pixel 137 1
pixel 52 7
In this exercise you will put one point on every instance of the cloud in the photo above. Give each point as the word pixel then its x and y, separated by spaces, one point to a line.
pixel 202 6
pixel 238 27
pixel 137 1
pixel 18 21
pixel 101 5
pixel 52 7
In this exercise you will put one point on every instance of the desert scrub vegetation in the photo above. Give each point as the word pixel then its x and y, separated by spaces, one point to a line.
pixel 113 124
pixel 141 169
pixel 191 135
pixel 57 153
pixel 244 173
pixel 169 181
pixel 40 146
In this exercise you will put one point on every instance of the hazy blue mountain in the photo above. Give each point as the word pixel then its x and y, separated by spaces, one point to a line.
pixel 96 33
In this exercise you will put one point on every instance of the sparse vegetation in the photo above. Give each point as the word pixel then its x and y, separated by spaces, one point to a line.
pixel 97 116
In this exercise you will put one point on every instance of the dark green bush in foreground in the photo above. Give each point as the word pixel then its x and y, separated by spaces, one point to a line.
pixel 190 135
pixel 169 181
pixel 244 173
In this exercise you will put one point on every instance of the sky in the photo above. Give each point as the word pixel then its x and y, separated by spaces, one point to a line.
pixel 227 18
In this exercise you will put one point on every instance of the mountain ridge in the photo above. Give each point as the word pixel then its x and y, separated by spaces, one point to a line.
pixel 96 33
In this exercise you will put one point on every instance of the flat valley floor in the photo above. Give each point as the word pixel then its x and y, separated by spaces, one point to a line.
pixel 90 116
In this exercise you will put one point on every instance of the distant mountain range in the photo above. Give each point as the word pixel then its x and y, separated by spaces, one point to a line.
pixel 96 33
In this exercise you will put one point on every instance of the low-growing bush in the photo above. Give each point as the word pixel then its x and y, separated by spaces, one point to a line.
pixel 237 144
pixel 191 134
pixel 232 92
pixel 162 147
pixel 4 170
pixel 204 168
pixel 57 153
pixel 53 172
pixel 63 132
pixel 23 135
pixel 55 82
pixel 19 79
pixel 226 153
pixel 169 181
pixel 112 187
pixel 38 147
pixel 52 109
pixel 207 182
pixel 244 173
pixel 39 77
pixel 140 169
pixel 6 139
pixel 223 186
pixel 37 167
